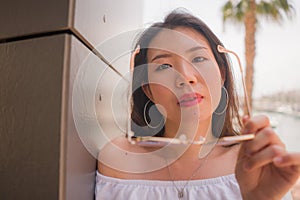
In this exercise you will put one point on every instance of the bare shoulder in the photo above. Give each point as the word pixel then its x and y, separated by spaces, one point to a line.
pixel 119 158
pixel 121 145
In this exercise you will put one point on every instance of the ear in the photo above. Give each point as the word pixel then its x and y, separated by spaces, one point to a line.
pixel 147 91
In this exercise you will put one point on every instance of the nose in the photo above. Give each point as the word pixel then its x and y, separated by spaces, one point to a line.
pixel 186 75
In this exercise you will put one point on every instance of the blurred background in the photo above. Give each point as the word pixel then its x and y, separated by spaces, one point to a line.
pixel 276 88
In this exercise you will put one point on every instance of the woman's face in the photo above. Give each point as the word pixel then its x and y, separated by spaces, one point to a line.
pixel 184 77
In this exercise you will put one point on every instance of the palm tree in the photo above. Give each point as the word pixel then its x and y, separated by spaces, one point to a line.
pixel 247 12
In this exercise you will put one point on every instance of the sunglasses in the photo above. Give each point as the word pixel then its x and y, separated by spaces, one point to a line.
pixel 151 141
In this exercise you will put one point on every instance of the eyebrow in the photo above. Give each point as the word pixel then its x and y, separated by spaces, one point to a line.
pixel 195 49
pixel 166 55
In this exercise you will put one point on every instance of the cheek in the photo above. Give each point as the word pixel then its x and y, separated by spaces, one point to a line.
pixel 213 83
pixel 163 97
pixel 158 92
pixel 162 86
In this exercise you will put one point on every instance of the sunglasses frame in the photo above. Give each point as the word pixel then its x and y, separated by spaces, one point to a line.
pixel 151 141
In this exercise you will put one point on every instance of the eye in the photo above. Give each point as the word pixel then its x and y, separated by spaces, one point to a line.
pixel 163 66
pixel 198 59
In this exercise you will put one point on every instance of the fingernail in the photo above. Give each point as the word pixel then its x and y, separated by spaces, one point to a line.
pixel 277 160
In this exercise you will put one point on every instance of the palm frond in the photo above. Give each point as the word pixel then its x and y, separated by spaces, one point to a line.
pixel 275 9
pixel 234 12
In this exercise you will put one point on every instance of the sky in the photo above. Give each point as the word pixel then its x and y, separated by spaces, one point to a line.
pixel 277 62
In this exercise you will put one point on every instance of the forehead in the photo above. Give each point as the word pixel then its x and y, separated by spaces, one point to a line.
pixel 178 40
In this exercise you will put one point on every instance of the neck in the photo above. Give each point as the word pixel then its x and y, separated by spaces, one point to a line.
pixel 193 131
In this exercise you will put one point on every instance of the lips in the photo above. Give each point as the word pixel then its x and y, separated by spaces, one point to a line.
pixel 190 99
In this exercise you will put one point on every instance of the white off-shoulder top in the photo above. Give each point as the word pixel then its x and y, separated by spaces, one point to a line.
pixel 223 188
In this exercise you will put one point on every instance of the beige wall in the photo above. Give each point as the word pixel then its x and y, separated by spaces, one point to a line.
pixel 42 46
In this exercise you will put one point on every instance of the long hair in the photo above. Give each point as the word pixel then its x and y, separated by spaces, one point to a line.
pixel 140 75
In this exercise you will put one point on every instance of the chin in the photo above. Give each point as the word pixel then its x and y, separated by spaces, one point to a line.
pixel 195 114
pixel 195 118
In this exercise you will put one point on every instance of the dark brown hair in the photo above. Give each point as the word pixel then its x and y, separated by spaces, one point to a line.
pixel 176 19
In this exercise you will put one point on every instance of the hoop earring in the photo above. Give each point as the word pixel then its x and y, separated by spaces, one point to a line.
pixel 220 104
pixel 145 119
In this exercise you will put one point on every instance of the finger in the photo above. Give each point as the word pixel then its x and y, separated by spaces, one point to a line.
pixel 256 123
pixel 245 118
pixel 289 159
pixel 263 138
pixel 263 157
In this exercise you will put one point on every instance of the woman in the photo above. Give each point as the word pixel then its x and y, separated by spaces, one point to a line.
pixel 183 88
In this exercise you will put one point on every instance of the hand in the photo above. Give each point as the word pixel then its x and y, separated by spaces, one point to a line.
pixel 264 169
